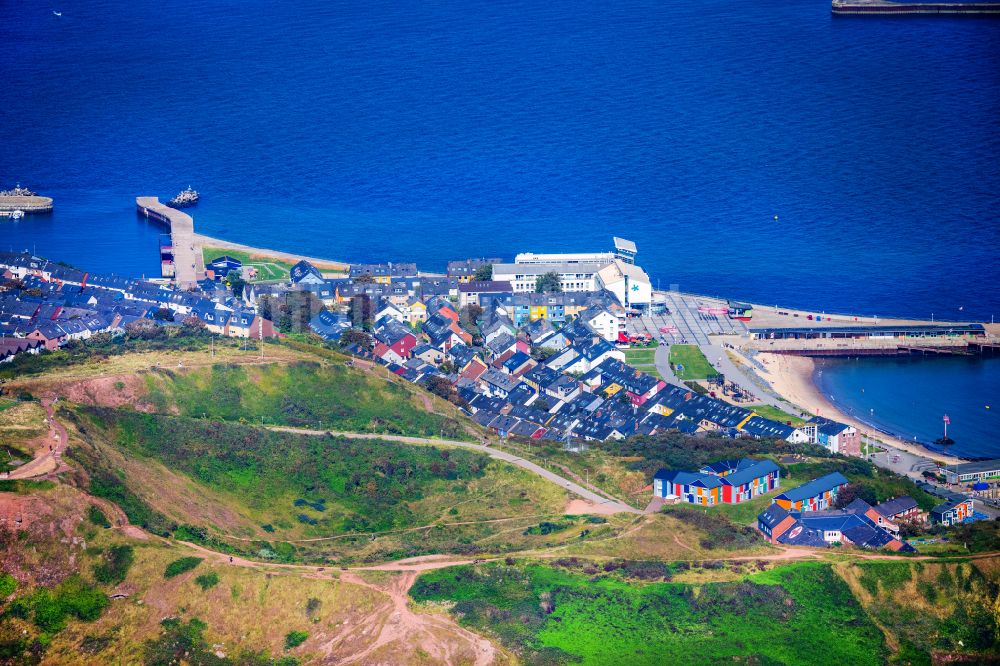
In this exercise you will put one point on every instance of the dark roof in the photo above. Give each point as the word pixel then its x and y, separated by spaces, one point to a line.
pixel 489 286
pixel 896 506
pixel 814 487
pixel 772 515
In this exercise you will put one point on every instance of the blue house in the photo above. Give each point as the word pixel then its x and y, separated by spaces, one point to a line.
pixel 221 266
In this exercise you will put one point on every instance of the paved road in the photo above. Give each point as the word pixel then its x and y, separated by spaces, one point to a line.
pixel 498 454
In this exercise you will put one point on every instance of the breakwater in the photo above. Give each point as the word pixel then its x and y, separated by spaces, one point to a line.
pixel 181 259
pixel 886 8
pixel 28 204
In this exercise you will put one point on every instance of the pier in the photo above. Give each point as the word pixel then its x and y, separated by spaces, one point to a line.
pixel 887 8
pixel 180 259
pixel 32 204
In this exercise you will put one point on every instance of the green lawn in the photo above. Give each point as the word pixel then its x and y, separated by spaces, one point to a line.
pixel 643 358
pixel 787 615
pixel 267 269
pixel 775 414
pixel 689 362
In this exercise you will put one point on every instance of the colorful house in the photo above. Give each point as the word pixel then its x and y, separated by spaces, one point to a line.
pixel 954 511
pixel 817 495
pixel 852 526
pixel 724 482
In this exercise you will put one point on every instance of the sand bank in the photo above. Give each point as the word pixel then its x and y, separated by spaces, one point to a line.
pixel 791 377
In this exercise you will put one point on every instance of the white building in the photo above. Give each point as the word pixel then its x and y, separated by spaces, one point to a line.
pixel 628 282
pixel 573 276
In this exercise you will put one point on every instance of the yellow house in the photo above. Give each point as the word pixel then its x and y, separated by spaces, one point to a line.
pixel 537 312
pixel 418 311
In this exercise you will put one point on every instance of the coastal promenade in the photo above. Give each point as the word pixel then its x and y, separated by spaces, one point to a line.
pixel 188 262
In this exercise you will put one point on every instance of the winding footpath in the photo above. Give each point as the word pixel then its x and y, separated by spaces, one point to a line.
pixel 49 463
pixel 498 454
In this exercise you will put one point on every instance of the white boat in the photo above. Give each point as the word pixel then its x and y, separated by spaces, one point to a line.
pixel 13 214
pixel 56 13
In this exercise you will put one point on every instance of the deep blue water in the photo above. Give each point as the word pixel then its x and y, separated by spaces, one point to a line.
pixel 437 130
pixel 910 397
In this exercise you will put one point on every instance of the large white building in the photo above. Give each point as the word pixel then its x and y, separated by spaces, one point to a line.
pixel 583 271
pixel 573 276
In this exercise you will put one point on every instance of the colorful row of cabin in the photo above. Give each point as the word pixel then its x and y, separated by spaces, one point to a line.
pixel 816 495
pixel 723 482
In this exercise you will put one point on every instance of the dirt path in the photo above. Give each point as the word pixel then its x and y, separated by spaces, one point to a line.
pixel 434 634
pixel 585 493
pixel 49 463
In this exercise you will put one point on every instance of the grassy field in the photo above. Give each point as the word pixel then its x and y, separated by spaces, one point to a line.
pixel 278 496
pixel 643 358
pixel 775 414
pixel 930 608
pixel 305 394
pixel 689 362
pixel 548 614
pixel 269 269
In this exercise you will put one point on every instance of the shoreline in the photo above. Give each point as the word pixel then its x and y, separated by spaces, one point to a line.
pixel 201 241
pixel 791 377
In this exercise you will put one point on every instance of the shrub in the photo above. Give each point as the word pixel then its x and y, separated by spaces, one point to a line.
pixel 97 517
pixel 181 565
pixel 7 585
pixel 50 609
pixel 312 606
pixel 114 568
pixel 294 639
pixel 207 580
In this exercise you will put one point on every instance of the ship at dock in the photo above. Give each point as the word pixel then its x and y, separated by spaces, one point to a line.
pixel 184 198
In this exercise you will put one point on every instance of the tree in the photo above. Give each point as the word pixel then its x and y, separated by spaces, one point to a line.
pixel 355 337
pixel 484 273
pixel 163 314
pixel 541 405
pixel 362 311
pixel 853 491
pixel 364 278
pixel 193 324
pixel 548 283
pixel 235 281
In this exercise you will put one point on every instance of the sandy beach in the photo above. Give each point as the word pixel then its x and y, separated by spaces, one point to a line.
pixel 791 378
pixel 322 264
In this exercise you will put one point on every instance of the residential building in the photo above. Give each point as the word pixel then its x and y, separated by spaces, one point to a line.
pixel 956 510
pixel 384 273
pixel 465 270
pixel 899 509
pixel 477 293
pixel 724 482
pixel 834 436
pixel 852 526
pixel 816 495
pixel 573 276
pixel 304 273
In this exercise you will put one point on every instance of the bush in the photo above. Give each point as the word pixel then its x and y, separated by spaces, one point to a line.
pixel 294 639
pixel 97 517
pixel 182 565
pixel 207 580
pixel 114 568
pixel 50 609
pixel 7 585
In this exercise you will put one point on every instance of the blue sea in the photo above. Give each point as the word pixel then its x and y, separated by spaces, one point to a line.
pixel 762 150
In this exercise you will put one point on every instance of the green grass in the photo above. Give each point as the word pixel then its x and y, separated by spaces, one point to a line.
pixel 181 565
pixel 360 497
pixel 268 269
pixel 6 403
pixel 303 394
pixel 689 362
pixel 775 414
pixel 643 358
pixel 788 615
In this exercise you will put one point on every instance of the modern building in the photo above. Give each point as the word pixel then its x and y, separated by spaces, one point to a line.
pixel 723 482
pixel 956 510
pixel 835 436
pixel 971 472
pixel 573 275
pixel 852 526
pixel 816 495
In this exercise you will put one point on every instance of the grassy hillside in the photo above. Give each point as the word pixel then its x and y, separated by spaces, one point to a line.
pixel 556 615
pixel 276 495
pixel 302 394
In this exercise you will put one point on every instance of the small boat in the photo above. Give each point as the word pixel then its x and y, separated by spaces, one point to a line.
pixel 12 214
pixel 185 198
pixel 56 13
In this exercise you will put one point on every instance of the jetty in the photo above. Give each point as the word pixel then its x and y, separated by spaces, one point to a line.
pixel 180 258
pixel 21 199
pixel 889 8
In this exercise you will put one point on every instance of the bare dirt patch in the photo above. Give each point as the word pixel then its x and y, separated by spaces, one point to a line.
pixel 577 507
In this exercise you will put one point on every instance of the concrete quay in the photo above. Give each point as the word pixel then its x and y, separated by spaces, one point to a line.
pixel 33 204
pixel 187 261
